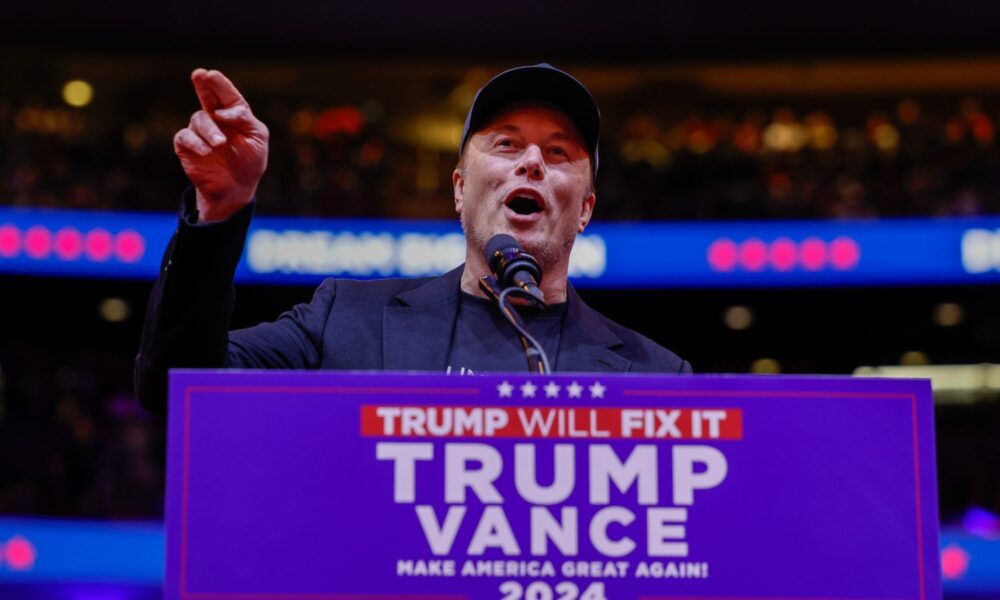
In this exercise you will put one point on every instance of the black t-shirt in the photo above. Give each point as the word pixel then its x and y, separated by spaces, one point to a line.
pixel 484 341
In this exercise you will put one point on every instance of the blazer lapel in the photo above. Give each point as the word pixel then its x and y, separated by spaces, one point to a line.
pixel 417 331
pixel 586 343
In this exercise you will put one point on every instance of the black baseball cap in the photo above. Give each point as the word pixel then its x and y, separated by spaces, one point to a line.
pixel 537 82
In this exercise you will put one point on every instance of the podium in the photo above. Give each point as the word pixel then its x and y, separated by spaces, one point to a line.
pixel 333 485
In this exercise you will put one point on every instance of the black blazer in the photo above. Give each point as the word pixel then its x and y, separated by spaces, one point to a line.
pixel 387 324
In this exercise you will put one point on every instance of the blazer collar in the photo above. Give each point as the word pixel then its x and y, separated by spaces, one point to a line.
pixel 587 344
pixel 417 332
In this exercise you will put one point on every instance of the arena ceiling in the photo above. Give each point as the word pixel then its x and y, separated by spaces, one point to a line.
pixel 582 30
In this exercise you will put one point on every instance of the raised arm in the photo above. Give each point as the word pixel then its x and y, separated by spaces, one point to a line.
pixel 223 150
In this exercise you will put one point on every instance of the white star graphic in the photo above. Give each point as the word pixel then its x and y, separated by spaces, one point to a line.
pixel 552 390
pixel 574 389
pixel 528 389
pixel 505 389
pixel 597 390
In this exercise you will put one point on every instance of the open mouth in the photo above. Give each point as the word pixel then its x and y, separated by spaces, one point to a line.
pixel 524 204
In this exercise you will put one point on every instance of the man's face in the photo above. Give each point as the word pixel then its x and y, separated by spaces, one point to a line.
pixel 526 173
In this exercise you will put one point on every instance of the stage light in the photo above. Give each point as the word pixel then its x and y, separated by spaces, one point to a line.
pixel 813 253
pixel 130 245
pixel 783 137
pixel 982 523
pixel 954 561
pixel 982 129
pixel 753 254
pixel 38 242
pixel 339 120
pixel 722 254
pixel 738 318
pixel 765 366
pixel 78 93
pixel 651 151
pixel 822 133
pixel 784 254
pixel 437 133
pixel 10 240
pixel 68 243
pixel 844 253
pixel 114 310
pixel 98 244
pixel 19 554
pixel 701 139
pixel 948 314
pixel 914 358
pixel 886 137
pixel 784 134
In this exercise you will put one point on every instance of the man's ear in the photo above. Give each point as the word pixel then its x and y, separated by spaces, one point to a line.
pixel 586 211
pixel 459 184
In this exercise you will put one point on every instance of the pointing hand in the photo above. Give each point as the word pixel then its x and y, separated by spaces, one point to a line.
pixel 223 149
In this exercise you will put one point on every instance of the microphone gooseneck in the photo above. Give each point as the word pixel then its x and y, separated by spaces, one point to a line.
pixel 515 272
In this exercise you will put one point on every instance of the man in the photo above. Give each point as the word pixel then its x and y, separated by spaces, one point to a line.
pixel 526 168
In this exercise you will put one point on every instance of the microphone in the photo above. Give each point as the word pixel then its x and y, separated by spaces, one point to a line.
pixel 513 266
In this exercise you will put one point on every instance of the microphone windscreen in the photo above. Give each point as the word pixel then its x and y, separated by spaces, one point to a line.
pixel 496 247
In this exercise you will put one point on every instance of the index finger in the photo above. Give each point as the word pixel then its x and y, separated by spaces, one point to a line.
pixel 214 90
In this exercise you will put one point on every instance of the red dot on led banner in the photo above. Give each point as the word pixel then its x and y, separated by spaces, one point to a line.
pixel 38 242
pixel 98 244
pixel 20 553
pixel 954 562
pixel 129 246
pixel 844 253
pixel 784 254
pixel 69 243
pixel 812 253
pixel 10 241
pixel 753 254
pixel 722 255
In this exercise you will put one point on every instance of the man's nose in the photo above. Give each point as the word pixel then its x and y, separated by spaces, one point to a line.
pixel 531 164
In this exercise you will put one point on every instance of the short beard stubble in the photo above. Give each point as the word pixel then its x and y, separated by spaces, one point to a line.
pixel 548 252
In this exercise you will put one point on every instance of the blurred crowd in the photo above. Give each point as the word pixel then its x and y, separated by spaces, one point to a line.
pixel 904 157
pixel 72 438
pixel 809 164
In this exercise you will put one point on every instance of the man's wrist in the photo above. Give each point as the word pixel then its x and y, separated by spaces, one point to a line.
pixel 210 249
pixel 217 211
pixel 191 217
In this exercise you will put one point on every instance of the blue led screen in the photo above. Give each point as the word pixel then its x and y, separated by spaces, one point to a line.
pixel 612 255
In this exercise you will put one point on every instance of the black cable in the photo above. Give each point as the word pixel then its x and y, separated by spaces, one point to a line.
pixel 537 358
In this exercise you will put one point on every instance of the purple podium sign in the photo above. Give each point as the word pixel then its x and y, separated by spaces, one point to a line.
pixel 332 485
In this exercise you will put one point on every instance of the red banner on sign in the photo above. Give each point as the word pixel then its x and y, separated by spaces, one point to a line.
pixel 551 422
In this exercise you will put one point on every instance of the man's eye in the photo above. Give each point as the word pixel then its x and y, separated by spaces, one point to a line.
pixel 558 150
pixel 505 143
